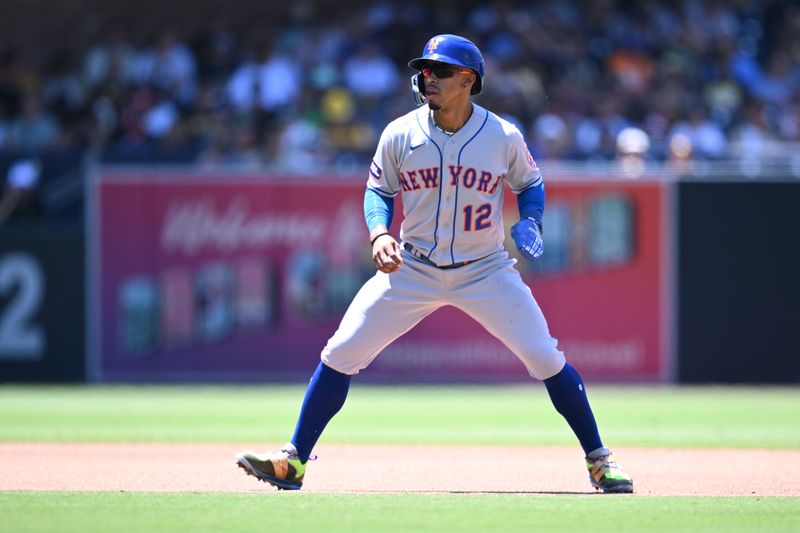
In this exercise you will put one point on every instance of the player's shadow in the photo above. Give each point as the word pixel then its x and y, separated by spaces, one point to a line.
pixel 529 492
pixel 564 492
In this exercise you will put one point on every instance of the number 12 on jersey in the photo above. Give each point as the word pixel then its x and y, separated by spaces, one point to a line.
pixel 481 217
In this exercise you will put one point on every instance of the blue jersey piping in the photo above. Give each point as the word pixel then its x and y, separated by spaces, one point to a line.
pixel 455 211
pixel 441 177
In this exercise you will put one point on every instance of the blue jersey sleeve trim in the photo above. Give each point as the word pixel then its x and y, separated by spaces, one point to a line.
pixel 531 202
pixel 535 183
pixel 378 191
pixel 378 209
pixel 539 182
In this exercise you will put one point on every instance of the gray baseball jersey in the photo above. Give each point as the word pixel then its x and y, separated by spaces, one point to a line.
pixel 452 186
pixel 452 190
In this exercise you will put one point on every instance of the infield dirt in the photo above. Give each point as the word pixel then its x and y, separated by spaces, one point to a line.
pixel 389 468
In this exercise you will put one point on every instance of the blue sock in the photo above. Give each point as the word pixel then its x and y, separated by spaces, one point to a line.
pixel 324 397
pixel 568 395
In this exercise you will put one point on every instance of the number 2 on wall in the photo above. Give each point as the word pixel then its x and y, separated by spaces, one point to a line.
pixel 22 279
pixel 482 214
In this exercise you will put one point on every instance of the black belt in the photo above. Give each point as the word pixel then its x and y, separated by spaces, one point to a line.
pixel 425 259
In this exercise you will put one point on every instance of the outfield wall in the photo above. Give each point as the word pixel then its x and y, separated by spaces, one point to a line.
pixel 201 277
pixel 42 303
pixel 221 277
pixel 738 281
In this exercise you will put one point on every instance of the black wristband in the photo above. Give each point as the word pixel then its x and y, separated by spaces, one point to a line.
pixel 372 242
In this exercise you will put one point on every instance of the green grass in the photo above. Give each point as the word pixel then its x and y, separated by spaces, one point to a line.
pixel 644 416
pixel 376 513
pixel 522 414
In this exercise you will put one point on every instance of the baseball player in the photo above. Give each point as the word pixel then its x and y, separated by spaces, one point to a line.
pixel 450 160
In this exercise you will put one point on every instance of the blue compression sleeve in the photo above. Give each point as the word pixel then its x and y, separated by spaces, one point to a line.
pixel 568 395
pixel 531 202
pixel 325 395
pixel 377 209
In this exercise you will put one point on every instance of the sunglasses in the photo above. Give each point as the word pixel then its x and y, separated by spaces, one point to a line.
pixel 443 71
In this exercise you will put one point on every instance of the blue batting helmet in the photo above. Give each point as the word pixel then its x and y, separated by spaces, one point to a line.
pixel 451 49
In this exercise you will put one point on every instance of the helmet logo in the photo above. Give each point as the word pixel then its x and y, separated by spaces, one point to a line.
pixel 434 44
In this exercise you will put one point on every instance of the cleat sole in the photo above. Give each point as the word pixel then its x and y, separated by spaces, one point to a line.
pixel 625 488
pixel 281 484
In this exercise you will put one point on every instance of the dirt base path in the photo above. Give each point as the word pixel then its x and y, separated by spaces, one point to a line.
pixel 362 468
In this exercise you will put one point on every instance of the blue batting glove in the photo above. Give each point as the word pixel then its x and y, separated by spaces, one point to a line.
pixel 527 235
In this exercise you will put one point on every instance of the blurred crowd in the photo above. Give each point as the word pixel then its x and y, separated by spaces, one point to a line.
pixel 689 78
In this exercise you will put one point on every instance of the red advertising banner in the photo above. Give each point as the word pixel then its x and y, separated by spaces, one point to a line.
pixel 198 277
